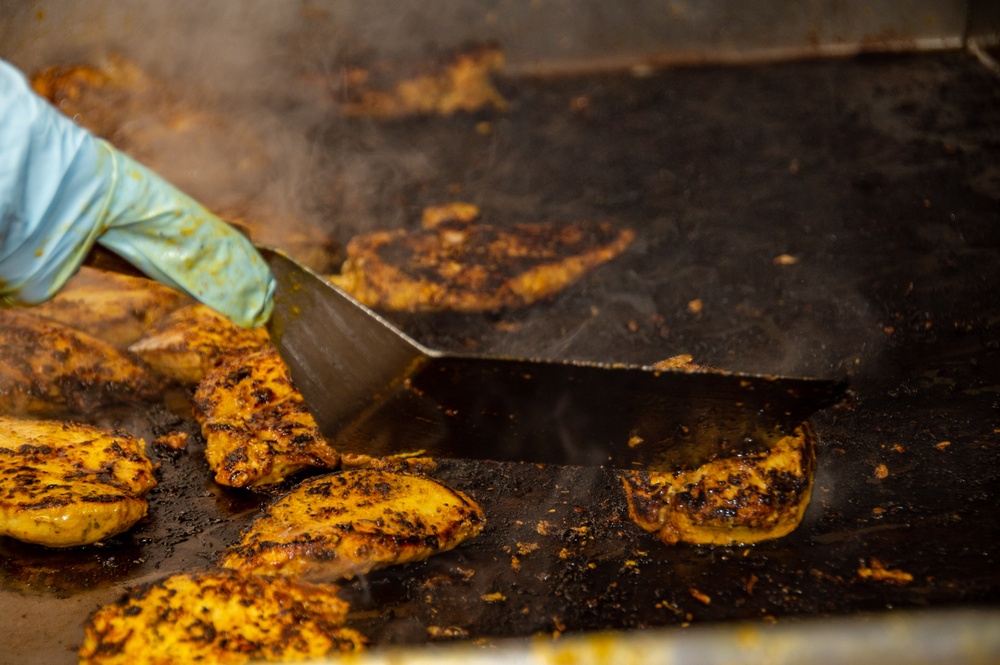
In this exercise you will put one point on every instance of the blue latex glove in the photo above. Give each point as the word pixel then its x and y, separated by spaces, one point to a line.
pixel 62 189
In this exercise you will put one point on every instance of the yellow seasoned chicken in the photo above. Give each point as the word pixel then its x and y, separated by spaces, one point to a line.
pixel 222 618
pixel 349 523
pixel 736 500
pixel 111 306
pixel 188 342
pixel 47 367
pixel 257 427
pixel 64 484
pixel 455 263
pixel 462 83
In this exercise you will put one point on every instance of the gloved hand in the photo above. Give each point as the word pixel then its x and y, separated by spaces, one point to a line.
pixel 62 189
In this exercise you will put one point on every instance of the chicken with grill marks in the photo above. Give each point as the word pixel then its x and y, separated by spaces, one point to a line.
pixel 111 306
pixel 47 367
pixel 188 342
pixel 349 523
pixel 456 263
pixel 65 484
pixel 257 427
pixel 220 617
pixel 736 500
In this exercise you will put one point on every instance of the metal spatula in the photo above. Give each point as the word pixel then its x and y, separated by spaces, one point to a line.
pixel 376 391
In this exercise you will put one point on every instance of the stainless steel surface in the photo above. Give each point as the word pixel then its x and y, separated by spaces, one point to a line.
pixel 373 390
pixel 956 637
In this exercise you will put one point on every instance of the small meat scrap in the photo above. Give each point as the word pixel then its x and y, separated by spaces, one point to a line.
pixel 350 523
pixel 184 345
pixel 459 83
pixel 447 633
pixel 683 363
pixel 65 484
pixel 876 570
pixel 173 440
pixel 455 262
pixel 47 367
pixel 220 617
pixel 111 306
pixel 745 499
pixel 700 596
pixel 257 427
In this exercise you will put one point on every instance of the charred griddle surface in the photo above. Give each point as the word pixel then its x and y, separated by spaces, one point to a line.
pixel 811 218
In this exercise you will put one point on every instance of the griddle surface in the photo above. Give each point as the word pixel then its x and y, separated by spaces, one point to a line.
pixel 879 176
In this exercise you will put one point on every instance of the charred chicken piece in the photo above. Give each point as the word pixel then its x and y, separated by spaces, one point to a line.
pixel 257 427
pixel 349 523
pixel 63 484
pixel 47 367
pixel 460 83
pixel 455 263
pixel 113 307
pixel 737 500
pixel 188 342
pixel 220 617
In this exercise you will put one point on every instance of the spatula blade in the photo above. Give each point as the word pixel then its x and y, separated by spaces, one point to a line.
pixel 375 391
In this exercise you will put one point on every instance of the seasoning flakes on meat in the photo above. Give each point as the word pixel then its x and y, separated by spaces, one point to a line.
pixel 187 343
pixel 111 306
pixel 220 617
pixel 349 523
pixel 456 263
pixel 47 367
pixel 257 427
pixel 65 484
pixel 736 500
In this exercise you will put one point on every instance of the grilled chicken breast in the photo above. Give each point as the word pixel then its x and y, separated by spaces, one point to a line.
pixel 460 83
pixel 737 500
pixel 349 523
pixel 47 367
pixel 65 484
pixel 257 427
pixel 188 342
pixel 220 617
pixel 110 306
pixel 455 263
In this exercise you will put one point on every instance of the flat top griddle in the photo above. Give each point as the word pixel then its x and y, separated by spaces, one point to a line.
pixel 879 175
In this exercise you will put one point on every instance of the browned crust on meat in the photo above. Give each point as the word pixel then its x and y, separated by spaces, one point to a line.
pixel 738 500
pixel 47 367
pixel 352 522
pixel 220 617
pixel 187 343
pixel 257 426
pixel 464 266
pixel 68 484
